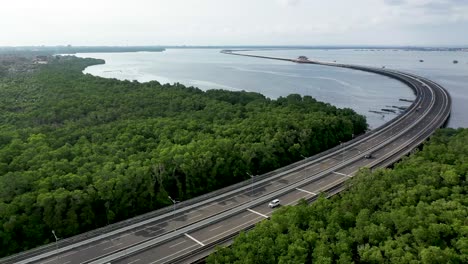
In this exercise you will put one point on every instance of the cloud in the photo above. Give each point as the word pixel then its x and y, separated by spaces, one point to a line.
pixel 211 22
pixel 288 2
pixel 395 2
pixel 428 11
pixel 428 4
pixel 439 6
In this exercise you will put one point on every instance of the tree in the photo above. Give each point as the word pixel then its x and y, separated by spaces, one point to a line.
pixel 413 213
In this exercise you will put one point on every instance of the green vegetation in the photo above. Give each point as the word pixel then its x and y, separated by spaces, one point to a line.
pixel 415 213
pixel 78 152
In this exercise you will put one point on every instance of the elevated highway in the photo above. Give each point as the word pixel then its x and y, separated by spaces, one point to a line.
pixel 190 230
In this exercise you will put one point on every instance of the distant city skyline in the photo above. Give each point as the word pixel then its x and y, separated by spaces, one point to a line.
pixel 240 22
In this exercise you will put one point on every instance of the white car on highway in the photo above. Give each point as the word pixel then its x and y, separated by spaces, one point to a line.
pixel 274 203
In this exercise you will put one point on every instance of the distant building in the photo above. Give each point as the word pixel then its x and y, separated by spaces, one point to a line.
pixel 301 59
pixel 40 59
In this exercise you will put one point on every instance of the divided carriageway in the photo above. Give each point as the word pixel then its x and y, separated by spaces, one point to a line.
pixel 193 228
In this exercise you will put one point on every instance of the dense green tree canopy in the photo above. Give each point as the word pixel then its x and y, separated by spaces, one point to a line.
pixel 78 152
pixel 414 213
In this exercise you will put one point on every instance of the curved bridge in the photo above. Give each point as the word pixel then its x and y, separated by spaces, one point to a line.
pixel 189 231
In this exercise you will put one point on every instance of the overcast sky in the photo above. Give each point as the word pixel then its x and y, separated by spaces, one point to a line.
pixel 234 22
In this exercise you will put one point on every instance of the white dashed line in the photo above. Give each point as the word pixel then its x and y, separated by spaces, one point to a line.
pixel 155 225
pixel 69 254
pixel 218 227
pixel 227 231
pixel 178 252
pixel 175 245
pixel 198 215
pixel 342 174
pixel 206 206
pixel 55 258
pixel 154 231
pixel 113 246
pixel 127 234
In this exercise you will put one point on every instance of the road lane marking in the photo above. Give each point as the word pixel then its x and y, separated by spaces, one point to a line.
pixel 113 246
pixel 326 186
pixel 88 247
pixel 287 175
pixel 103 242
pixel 154 231
pixel 226 204
pixel 136 260
pixel 55 258
pixel 246 215
pixel 342 174
pixel 191 237
pixel 127 234
pixel 206 206
pixel 69 254
pixel 306 191
pixel 248 192
pixel 155 225
pixel 178 252
pixel 213 229
pixel 295 201
pixel 298 176
pixel 260 214
pixel 175 245
pixel 229 230
pixel 198 215
pixel 276 185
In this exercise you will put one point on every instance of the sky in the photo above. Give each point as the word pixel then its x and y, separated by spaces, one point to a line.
pixel 234 22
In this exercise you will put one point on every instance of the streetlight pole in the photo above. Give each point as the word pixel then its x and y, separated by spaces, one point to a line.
pixel 251 188
pixel 56 245
pixel 342 153
pixel 173 211
pixel 305 174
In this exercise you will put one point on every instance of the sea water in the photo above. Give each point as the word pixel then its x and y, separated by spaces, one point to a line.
pixel 361 91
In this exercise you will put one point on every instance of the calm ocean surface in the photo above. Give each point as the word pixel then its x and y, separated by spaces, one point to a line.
pixel 209 69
